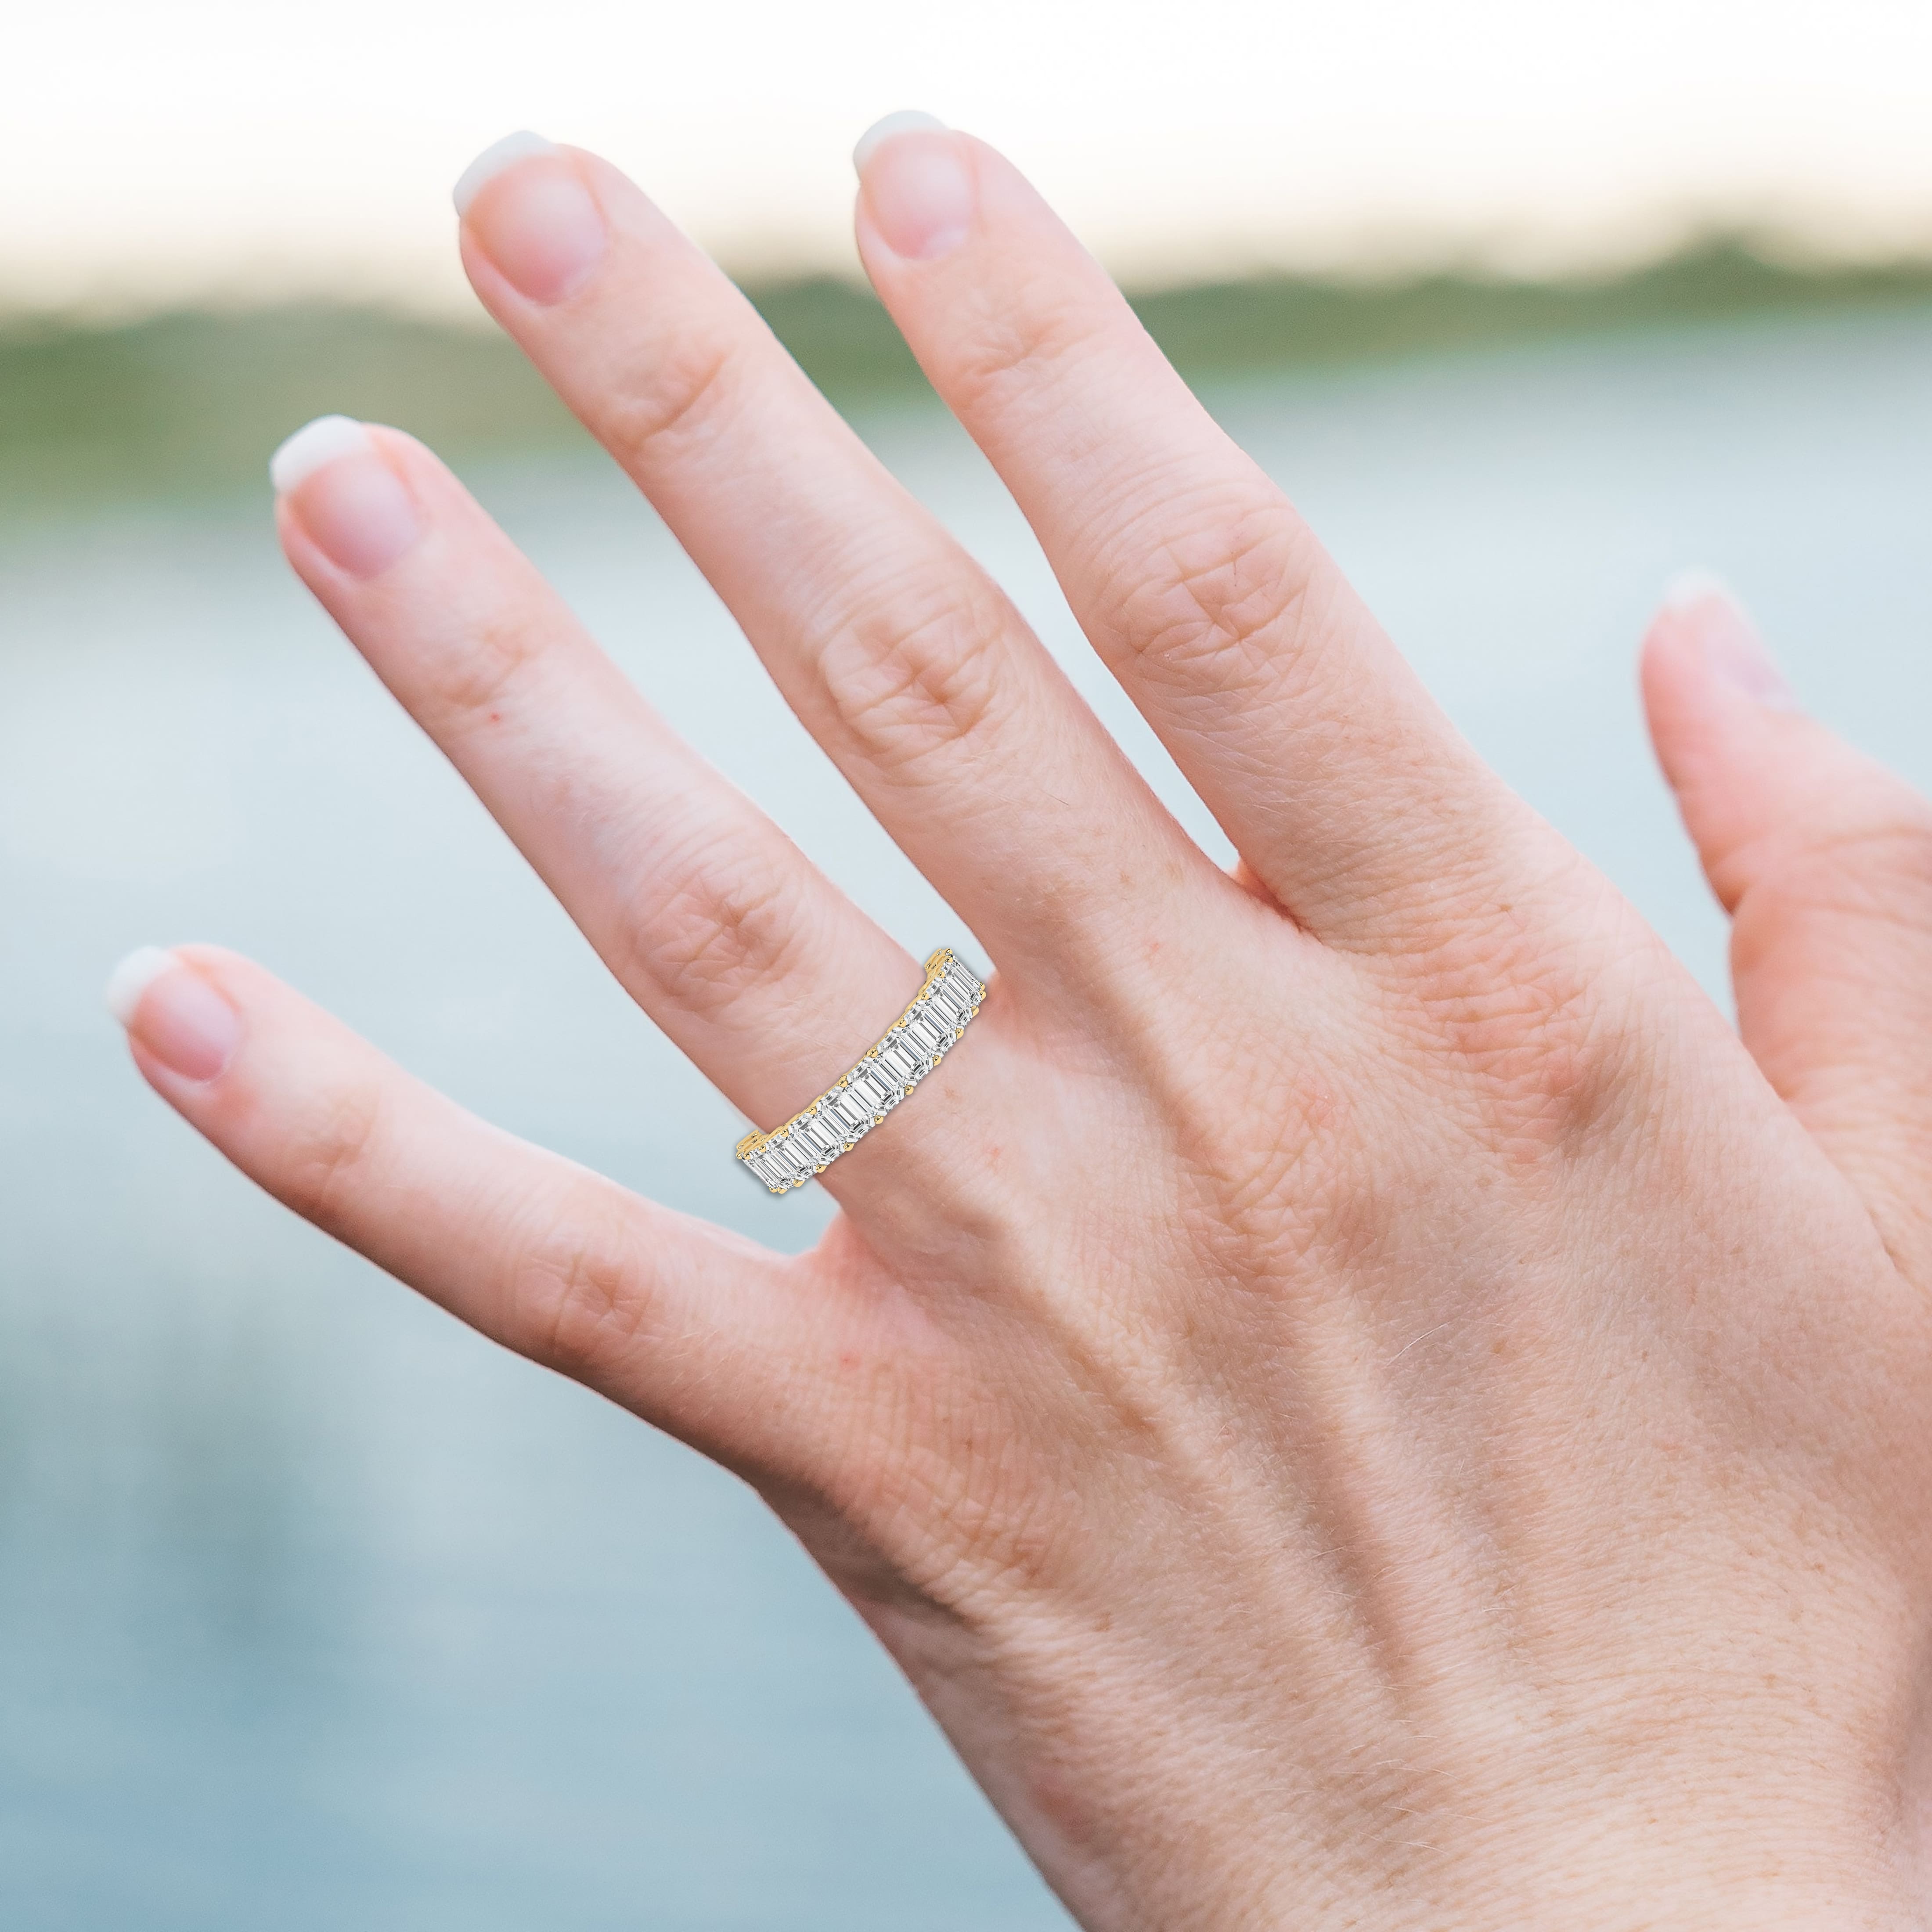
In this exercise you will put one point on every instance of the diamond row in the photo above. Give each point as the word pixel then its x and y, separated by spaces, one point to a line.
pixel 916 1043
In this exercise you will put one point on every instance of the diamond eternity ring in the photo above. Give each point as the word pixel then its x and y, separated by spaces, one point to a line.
pixel 914 1044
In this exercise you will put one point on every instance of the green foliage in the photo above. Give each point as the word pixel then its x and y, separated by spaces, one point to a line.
pixel 194 402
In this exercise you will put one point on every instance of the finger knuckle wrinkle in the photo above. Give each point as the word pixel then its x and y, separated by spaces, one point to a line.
pixel 916 679
pixel 722 926
pixel 684 390
pixel 478 679
pixel 1288 1184
pixel 576 1303
pixel 332 1152
pixel 1224 603
pixel 1017 349
pixel 1531 1034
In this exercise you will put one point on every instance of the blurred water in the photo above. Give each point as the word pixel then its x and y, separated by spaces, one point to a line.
pixel 316 1611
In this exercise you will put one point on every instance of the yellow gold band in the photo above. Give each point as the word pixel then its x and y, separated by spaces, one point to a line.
pixel 910 1048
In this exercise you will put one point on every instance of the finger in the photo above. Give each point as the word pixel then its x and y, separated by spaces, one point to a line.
pixel 901 657
pixel 1335 776
pixel 756 965
pixel 700 1332
pixel 1824 860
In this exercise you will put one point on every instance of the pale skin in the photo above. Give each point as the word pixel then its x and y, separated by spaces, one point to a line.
pixel 1355 1395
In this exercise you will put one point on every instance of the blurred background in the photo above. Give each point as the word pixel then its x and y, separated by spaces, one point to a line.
pixel 316 1611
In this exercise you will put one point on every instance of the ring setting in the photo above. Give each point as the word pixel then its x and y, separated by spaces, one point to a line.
pixel 848 1110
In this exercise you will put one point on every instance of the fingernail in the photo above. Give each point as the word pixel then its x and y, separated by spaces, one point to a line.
pixel 537 222
pixel 173 1012
pixel 916 184
pixel 1733 649
pixel 907 121
pixel 353 505
pixel 493 160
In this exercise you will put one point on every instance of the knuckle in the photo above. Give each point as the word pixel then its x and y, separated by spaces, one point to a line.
pixel 1543 1064
pixel 1018 348
pixel 686 385
pixel 1527 1012
pixel 912 674
pixel 1269 1184
pixel 331 1150
pixel 1221 600
pixel 477 680
pixel 721 927
pixel 576 1301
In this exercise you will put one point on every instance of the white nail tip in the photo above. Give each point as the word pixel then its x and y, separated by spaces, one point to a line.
pixel 907 120
pixel 133 976
pixel 1688 588
pixel 313 445
pixel 493 160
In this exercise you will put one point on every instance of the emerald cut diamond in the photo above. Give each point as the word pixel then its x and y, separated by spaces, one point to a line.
pixel 845 1113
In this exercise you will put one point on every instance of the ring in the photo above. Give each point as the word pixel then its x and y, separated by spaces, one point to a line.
pixel 847 1110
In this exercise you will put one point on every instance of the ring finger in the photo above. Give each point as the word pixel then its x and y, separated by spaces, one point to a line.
pixel 756 965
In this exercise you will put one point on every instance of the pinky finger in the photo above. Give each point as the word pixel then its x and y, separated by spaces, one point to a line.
pixel 695 1329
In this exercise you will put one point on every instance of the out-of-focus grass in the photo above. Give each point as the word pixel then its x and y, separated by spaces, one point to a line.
pixel 189 402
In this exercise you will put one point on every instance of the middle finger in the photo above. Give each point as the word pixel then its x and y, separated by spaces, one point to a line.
pixel 905 661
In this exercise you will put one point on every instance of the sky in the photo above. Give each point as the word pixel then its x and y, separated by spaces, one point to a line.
pixel 230 152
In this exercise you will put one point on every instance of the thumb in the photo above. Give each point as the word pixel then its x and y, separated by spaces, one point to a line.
pixel 1823 859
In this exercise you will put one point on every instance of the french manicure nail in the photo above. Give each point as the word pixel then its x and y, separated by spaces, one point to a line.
pixel 172 1012
pixel 1733 649
pixel 907 121
pixel 538 223
pixel 353 505
pixel 917 184
pixel 493 160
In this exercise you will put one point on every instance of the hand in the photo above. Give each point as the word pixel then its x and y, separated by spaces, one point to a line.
pixel 1353 1395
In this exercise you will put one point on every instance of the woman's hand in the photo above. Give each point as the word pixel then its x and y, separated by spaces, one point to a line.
pixel 1356 1401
